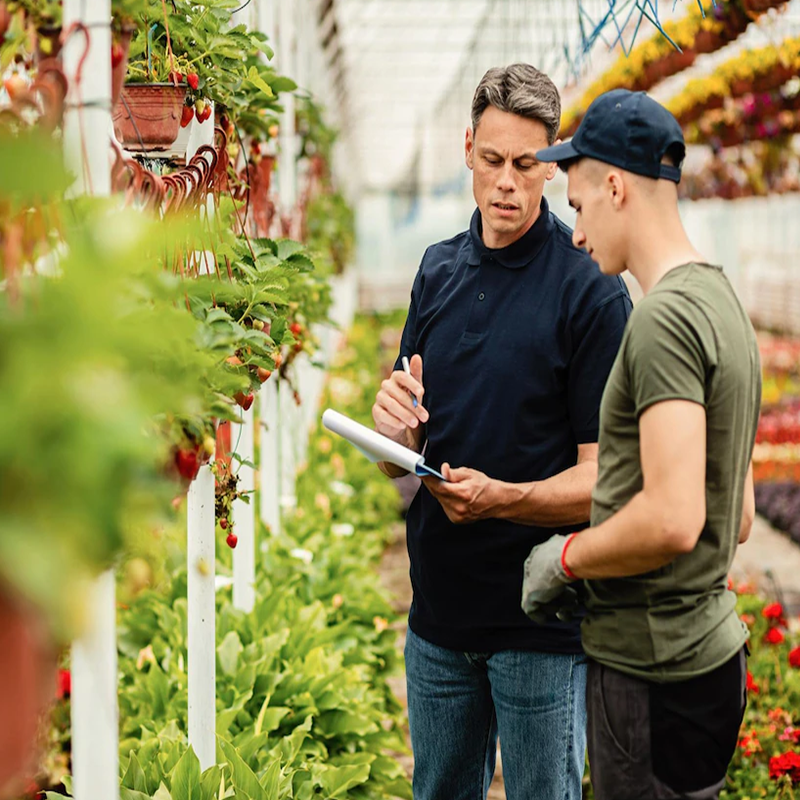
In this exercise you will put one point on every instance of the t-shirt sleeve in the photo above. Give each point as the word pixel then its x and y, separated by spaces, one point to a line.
pixel 669 352
pixel 597 339
pixel 408 341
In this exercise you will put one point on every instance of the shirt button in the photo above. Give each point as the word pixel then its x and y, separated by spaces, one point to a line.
pixel 481 296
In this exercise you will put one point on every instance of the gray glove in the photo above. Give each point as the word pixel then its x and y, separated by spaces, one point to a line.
pixel 546 586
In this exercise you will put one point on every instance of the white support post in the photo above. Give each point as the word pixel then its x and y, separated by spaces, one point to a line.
pixel 269 465
pixel 244 556
pixel 202 621
pixel 286 443
pixel 87 123
pixel 95 714
pixel 87 118
pixel 287 163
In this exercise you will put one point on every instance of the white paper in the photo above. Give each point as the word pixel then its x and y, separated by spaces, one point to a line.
pixel 376 446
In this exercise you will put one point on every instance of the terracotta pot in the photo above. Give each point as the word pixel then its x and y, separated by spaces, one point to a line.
pixel 123 39
pixel 149 115
pixel 5 20
pixel 48 43
pixel 27 685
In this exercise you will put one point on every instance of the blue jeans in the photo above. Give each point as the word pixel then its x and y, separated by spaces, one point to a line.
pixel 458 703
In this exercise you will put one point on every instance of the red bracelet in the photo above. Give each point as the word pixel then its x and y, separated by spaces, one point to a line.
pixel 569 573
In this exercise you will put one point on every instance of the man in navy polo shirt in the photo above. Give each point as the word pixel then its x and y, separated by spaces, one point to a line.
pixel 516 330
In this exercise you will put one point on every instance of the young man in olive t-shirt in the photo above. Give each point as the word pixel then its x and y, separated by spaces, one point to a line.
pixel 674 496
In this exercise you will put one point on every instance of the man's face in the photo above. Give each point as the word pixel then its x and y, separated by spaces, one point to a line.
pixel 507 180
pixel 598 223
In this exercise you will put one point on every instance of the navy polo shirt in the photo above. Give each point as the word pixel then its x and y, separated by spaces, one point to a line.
pixel 516 345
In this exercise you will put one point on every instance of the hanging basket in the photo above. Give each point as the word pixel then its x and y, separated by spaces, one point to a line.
pixel 118 70
pixel 148 116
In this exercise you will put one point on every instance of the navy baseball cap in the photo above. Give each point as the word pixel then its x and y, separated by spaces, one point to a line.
pixel 628 130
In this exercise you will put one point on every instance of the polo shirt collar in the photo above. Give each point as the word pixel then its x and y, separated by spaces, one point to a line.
pixel 517 254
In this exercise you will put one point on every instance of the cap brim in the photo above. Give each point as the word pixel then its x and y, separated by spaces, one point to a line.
pixel 558 153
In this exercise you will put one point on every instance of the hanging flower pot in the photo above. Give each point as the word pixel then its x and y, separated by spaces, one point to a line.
pixel 5 20
pixel 48 43
pixel 148 116
pixel 120 45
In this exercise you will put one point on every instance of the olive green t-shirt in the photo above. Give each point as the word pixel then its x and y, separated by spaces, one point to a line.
pixel 688 339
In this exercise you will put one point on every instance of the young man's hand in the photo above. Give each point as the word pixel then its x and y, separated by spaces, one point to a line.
pixel 546 584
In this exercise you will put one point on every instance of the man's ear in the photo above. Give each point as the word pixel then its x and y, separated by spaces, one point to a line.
pixel 552 168
pixel 469 148
pixel 615 184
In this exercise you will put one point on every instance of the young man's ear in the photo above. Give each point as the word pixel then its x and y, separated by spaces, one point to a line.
pixel 615 185
pixel 469 148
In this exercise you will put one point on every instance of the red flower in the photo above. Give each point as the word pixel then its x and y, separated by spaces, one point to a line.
pixel 773 636
pixel 794 657
pixel 774 612
pixel 64 687
pixel 752 686
pixel 785 764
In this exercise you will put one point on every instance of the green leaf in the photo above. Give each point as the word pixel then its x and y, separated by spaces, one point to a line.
pixel 337 780
pixel 228 652
pixel 282 84
pixel 269 718
pixel 271 780
pixel 134 776
pixel 186 777
pixel 255 78
pixel 343 722
pixel 287 248
pixel 129 794
pixel 301 261
pixel 209 783
pixel 244 778
pixel 162 793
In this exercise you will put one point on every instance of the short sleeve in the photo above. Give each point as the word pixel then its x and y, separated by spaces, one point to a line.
pixel 669 353
pixel 596 341
pixel 408 341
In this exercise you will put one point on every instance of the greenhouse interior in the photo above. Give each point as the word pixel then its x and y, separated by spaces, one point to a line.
pixel 248 249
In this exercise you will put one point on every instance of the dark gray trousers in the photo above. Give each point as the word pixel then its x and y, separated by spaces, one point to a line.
pixel 663 741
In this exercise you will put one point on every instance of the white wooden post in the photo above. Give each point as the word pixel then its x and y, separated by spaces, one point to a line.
pixel 287 164
pixel 269 465
pixel 244 556
pixel 287 417
pixel 87 122
pixel 201 567
pixel 95 714
pixel 202 623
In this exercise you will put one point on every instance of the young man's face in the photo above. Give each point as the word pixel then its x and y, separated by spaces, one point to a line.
pixel 599 225
pixel 507 180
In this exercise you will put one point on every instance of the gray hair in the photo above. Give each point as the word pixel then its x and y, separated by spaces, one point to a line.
pixel 519 89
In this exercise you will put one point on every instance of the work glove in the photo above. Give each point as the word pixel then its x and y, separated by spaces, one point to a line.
pixel 546 589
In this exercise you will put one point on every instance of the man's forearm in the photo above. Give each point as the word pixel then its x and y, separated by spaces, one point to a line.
pixel 413 441
pixel 563 499
pixel 639 538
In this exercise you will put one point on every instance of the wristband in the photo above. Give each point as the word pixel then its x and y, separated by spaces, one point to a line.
pixel 567 571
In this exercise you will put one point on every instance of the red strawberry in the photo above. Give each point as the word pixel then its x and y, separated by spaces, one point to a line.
pixel 205 115
pixel 296 328
pixel 231 540
pixel 263 374
pixel 244 400
pixel 64 683
pixel 187 463
pixel 193 80
pixel 223 523
pixel 176 77
pixel 186 116
pixel 117 54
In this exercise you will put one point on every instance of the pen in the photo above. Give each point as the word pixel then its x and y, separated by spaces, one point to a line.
pixel 407 370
